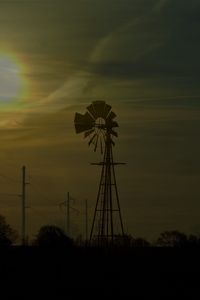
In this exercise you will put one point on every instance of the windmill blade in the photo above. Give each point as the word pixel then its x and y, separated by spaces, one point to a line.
pixel 111 124
pixel 92 139
pixel 81 128
pixel 114 124
pixel 83 122
pixel 86 118
pixel 78 118
pixel 95 148
pixel 95 140
pixel 114 133
pixel 107 109
pixel 92 111
pixel 87 133
pixel 101 145
pixel 99 107
pixel 113 143
pixel 111 116
pixel 104 138
pixel 89 118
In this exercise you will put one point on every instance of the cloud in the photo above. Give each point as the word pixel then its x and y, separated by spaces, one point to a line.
pixel 159 5
pixel 162 46
pixel 68 94
pixel 149 54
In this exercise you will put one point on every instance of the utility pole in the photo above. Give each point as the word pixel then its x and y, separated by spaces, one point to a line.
pixel 24 183
pixel 86 220
pixel 68 213
pixel 23 203
pixel 66 204
pixel 68 209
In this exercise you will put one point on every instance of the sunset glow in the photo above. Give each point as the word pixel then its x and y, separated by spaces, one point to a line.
pixel 13 85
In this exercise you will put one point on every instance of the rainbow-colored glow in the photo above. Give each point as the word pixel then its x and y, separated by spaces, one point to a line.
pixel 13 84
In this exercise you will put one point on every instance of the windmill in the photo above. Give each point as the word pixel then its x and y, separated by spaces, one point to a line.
pixel 98 125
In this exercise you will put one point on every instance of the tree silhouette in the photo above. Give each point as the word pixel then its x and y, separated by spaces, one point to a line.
pixel 52 236
pixel 129 241
pixel 7 235
pixel 193 241
pixel 140 242
pixel 172 238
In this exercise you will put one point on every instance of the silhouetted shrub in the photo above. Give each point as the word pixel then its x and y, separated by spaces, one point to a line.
pixel 193 241
pixel 7 235
pixel 172 238
pixel 52 236
pixel 129 241
pixel 140 242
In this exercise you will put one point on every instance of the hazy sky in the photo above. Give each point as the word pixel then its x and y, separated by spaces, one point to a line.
pixel 140 56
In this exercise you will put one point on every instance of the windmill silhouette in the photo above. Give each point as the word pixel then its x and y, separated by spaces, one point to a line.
pixel 98 125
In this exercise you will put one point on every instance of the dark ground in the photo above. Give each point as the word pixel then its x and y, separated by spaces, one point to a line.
pixel 154 273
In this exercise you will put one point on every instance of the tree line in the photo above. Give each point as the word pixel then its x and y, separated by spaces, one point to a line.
pixel 51 235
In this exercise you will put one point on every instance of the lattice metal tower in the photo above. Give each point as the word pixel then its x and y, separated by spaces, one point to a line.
pixel 97 124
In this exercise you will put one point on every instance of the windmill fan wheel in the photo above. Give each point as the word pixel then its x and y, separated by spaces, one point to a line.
pixel 96 124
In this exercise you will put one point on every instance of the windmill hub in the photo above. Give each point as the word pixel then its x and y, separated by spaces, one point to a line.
pixel 100 123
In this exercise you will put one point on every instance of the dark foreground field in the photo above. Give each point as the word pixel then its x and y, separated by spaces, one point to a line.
pixel 41 273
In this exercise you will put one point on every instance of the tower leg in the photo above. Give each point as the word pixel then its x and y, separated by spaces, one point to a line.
pixel 98 200
pixel 107 203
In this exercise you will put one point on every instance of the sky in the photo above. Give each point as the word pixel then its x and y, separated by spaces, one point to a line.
pixel 141 57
